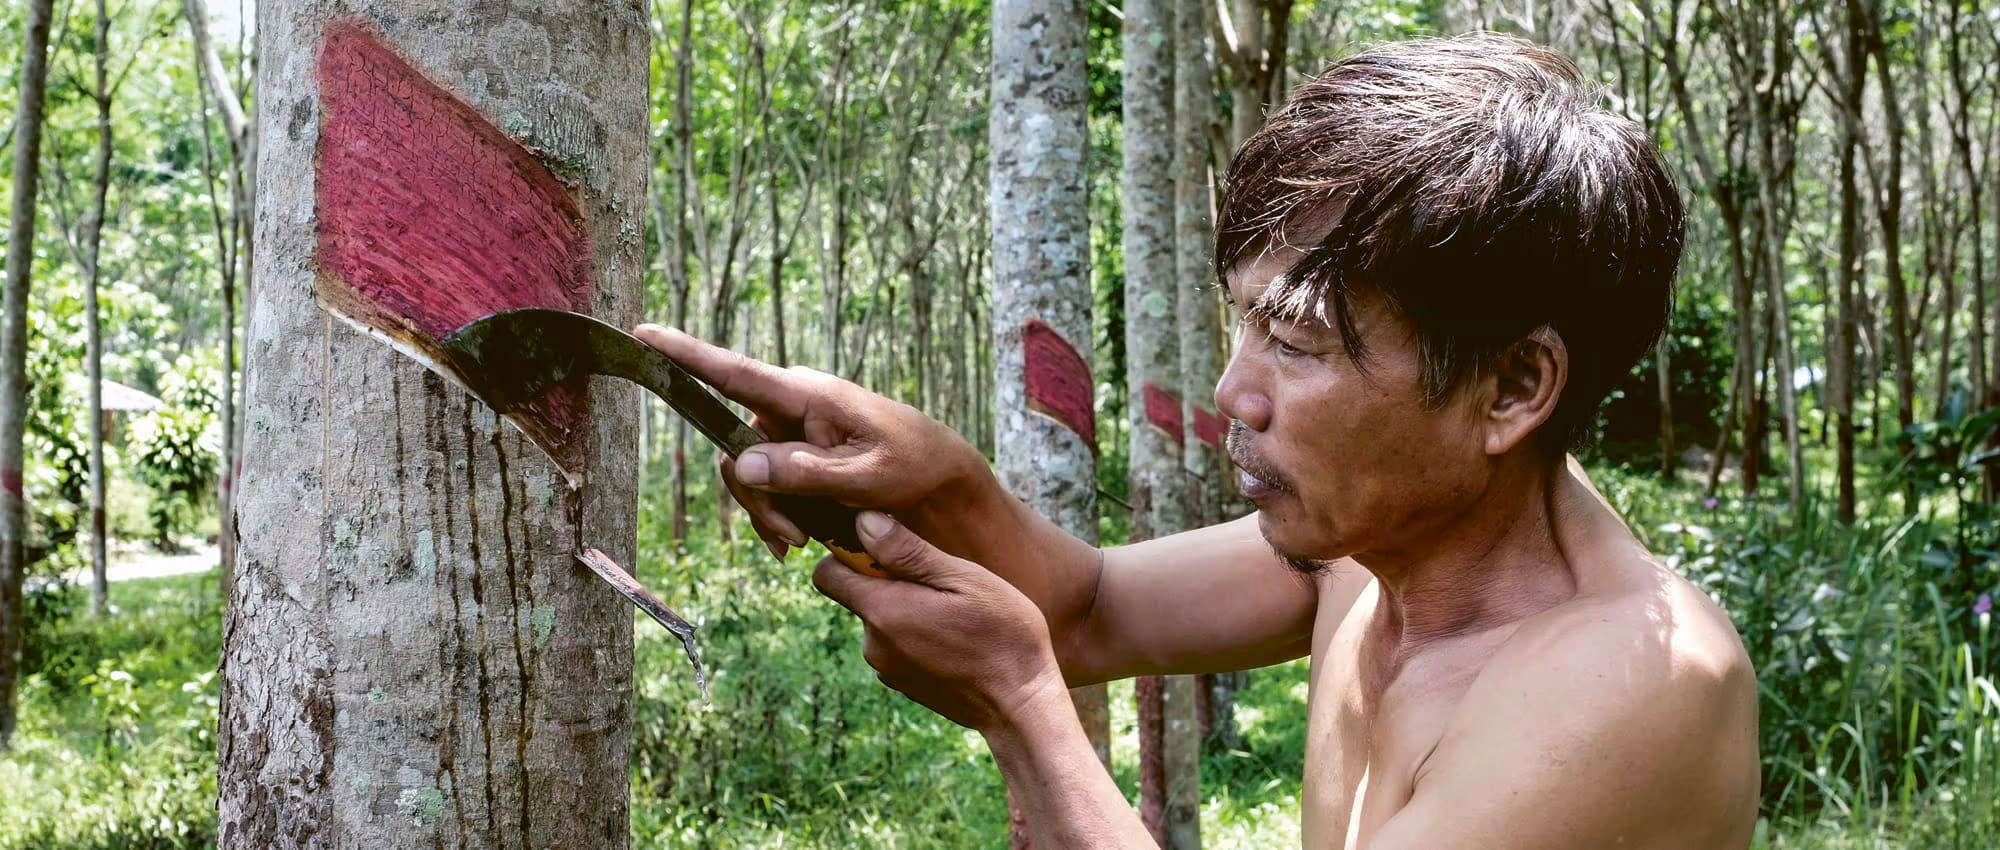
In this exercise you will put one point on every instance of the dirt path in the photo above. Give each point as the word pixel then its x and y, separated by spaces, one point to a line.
pixel 152 565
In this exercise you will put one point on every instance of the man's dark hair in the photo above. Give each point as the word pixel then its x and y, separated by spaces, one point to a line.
pixel 1477 186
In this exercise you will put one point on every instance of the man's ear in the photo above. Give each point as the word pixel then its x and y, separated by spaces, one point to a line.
pixel 1527 379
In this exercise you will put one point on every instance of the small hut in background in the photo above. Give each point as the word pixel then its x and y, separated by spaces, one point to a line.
pixel 121 404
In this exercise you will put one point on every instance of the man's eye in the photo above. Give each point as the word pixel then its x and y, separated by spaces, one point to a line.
pixel 1284 349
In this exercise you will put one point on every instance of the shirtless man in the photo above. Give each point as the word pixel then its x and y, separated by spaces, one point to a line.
pixel 1444 254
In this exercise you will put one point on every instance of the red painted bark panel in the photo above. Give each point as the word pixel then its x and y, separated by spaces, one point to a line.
pixel 430 217
pixel 1163 409
pixel 1058 380
pixel 10 480
pixel 1209 427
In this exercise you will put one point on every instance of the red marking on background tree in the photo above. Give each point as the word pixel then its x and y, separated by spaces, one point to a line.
pixel 403 161
pixel 10 480
pixel 1058 380
pixel 1164 411
pixel 1209 427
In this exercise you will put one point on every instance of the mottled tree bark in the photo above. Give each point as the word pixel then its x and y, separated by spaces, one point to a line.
pixel 1169 740
pixel 1199 321
pixel 93 330
pixel 1850 72
pixel 412 656
pixel 242 181
pixel 14 351
pixel 1044 431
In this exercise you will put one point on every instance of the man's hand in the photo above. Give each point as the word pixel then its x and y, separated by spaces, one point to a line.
pixel 831 438
pixel 944 631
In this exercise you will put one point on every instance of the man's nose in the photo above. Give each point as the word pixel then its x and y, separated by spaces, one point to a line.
pixel 1240 395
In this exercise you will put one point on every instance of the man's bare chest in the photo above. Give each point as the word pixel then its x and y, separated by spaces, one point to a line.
pixel 1370 728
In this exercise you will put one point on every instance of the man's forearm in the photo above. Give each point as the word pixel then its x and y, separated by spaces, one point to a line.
pixel 1066 797
pixel 983 523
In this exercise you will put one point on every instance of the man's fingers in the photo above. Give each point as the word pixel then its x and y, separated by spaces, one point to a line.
pixel 805 469
pixel 746 380
pixel 840 583
pixel 771 523
pixel 900 553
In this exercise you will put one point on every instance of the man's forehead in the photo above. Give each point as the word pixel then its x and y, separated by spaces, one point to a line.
pixel 1287 244
pixel 1250 279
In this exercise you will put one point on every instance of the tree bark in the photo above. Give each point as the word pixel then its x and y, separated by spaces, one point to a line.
pixel 1851 73
pixel 1044 423
pixel 1889 215
pixel 237 131
pixel 412 656
pixel 1158 494
pixel 14 351
pixel 685 190
pixel 93 242
pixel 1199 321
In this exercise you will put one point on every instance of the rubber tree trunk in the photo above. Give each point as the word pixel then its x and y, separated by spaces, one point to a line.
pixel 93 330
pixel 1169 736
pixel 242 180
pixel 1044 420
pixel 1841 380
pixel 14 352
pixel 1199 322
pixel 412 656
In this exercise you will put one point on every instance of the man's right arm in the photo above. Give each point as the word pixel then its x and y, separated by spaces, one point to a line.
pixel 1204 601
pixel 1208 600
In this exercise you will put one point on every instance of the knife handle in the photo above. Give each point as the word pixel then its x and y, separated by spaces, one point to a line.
pixel 832 524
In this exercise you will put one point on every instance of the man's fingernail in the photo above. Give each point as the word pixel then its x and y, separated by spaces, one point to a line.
pixel 876 525
pixel 753 468
pixel 778 550
pixel 795 538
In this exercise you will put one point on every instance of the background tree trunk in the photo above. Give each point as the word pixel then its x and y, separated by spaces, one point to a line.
pixel 1044 424
pixel 1199 322
pixel 1850 72
pixel 93 357
pixel 14 352
pixel 237 131
pixel 1169 739
pixel 412 656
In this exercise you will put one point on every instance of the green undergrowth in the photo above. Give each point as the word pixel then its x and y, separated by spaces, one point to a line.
pixel 116 744
pixel 1879 717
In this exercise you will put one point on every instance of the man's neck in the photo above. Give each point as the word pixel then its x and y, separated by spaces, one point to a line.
pixel 1497 561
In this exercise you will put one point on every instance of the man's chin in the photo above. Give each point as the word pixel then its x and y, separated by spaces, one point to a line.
pixel 1295 556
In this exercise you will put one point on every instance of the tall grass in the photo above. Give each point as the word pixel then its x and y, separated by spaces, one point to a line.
pixel 1878 711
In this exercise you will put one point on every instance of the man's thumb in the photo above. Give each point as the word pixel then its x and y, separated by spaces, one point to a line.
pixel 898 551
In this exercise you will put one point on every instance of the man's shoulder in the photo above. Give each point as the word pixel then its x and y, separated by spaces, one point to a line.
pixel 1650 626
pixel 1640 701
pixel 1594 729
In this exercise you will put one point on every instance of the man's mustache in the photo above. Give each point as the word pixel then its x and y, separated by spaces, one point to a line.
pixel 1240 454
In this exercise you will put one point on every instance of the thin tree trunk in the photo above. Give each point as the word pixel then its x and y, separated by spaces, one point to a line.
pixel 1044 427
pixel 227 244
pixel 93 242
pixel 1851 72
pixel 1199 321
pixel 1169 792
pixel 685 191
pixel 14 352
pixel 412 656
pixel 240 135
pixel 1960 125
pixel 1889 216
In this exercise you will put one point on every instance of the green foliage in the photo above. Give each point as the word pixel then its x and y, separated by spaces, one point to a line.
pixel 117 741
pixel 800 743
pixel 1874 666
pixel 176 450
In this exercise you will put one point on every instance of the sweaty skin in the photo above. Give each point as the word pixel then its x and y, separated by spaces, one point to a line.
pixel 1496 661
